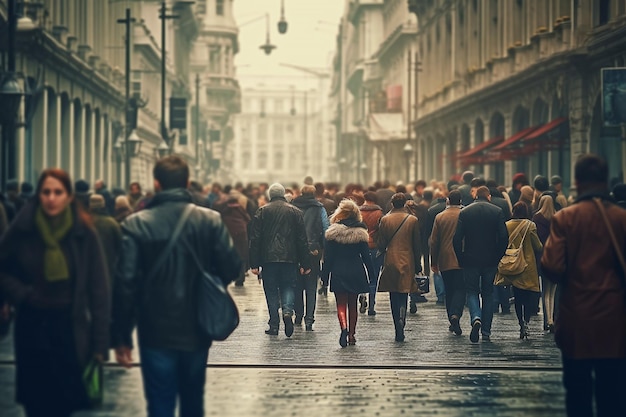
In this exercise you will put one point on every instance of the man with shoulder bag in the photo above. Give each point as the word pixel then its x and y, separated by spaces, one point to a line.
pixel 169 250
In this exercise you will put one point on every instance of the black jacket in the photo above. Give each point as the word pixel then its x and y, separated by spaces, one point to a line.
pixel 312 210
pixel 278 235
pixel 498 199
pixel 438 206
pixel 164 304
pixel 481 236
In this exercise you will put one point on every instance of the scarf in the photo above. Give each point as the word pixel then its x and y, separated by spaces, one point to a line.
pixel 55 264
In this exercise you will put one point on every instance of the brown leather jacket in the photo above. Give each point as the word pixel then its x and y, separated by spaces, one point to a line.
pixel 441 249
pixel 371 217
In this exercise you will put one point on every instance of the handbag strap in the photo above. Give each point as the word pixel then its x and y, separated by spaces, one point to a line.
pixel 173 239
pixel 398 229
pixel 618 251
pixel 516 233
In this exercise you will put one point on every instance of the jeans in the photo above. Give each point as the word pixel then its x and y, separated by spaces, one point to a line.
pixel 378 264
pixel 306 287
pixel 604 379
pixel 398 302
pixel 455 292
pixel 479 281
pixel 168 374
pixel 440 287
pixel 279 284
pixel 501 295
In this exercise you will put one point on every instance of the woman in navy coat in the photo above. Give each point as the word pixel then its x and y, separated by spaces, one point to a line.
pixel 347 263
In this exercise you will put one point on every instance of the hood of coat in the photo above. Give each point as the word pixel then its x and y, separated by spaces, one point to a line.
pixel 304 202
pixel 347 235
pixel 366 207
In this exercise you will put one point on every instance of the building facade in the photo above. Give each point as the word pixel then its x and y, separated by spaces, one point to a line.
pixel 515 86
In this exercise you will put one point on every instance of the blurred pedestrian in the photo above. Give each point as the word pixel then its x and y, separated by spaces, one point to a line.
pixel 109 201
pixel 347 263
pixel 134 194
pixel 399 237
pixel 122 208
pixel 372 213
pixel 542 220
pixel 236 220
pixel 109 230
pixel 582 255
pixel 619 194
pixel 82 194
pixel 519 180
pixel 53 270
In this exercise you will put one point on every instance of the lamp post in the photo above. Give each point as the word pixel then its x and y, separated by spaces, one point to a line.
pixel 267 47
pixel 127 21
pixel 197 121
pixel 408 151
pixel 282 23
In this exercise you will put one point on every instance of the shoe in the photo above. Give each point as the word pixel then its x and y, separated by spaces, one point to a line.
pixel 455 326
pixel 421 299
pixel 400 335
pixel 523 331
pixel 323 291
pixel 288 325
pixel 343 338
pixel 309 327
pixel 272 331
pixel 363 303
pixel 351 340
pixel 475 331
pixel 413 308
pixel 298 321
pixel 551 328
pixel 486 338
pixel 371 312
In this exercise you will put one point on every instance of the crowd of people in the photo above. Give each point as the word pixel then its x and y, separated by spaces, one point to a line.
pixel 77 269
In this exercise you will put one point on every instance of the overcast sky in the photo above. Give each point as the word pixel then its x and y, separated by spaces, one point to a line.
pixel 308 42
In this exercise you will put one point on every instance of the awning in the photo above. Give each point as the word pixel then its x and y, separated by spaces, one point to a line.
pixel 386 126
pixel 547 128
pixel 515 138
pixel 481 147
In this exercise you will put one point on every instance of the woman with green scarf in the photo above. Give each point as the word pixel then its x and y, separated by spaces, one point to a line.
pixel 52 270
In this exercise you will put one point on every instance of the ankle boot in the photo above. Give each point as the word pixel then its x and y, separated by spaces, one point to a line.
pixel 343 338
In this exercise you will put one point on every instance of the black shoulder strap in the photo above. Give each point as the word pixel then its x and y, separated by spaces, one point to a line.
pixel 398 229
pixel 173 240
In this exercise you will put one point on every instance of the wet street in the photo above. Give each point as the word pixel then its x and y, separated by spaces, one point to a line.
pixel 432 373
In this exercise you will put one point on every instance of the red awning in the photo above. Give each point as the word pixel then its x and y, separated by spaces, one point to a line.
pixel 481 147
pixel 547 128
pixel 515 138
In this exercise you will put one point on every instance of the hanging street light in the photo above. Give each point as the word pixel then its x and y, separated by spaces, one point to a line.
pixel 163 149
pixel 133 144
pixel 282 23
pixel 267 47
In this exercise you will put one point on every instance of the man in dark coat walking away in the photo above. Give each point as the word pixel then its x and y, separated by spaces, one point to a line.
pixel 109 201
pixel 174 350
pixel 278 248
pixel 109 230
pixel 466 189
pixel 580 256
pixel 237 219
pixel 316 223
pixel 479 242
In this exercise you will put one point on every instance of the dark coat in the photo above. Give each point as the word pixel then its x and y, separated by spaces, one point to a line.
pixel 466 194
pixel 109 200
pixel 498 200
pixel 347 257
pixel 236 219
pixel 110 234
pixel 591 323
pixel 383 196
pixel 21 267
pixel 164 304
pixel 277 234
pixel 543 227
pixel 514 195
pixel 313 211
pixel 481 236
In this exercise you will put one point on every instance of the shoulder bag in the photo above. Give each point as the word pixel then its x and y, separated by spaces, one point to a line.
pixel 382 252
pixel 618 251
pixel 513 262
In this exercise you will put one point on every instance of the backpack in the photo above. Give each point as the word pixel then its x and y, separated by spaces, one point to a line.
pixel 513 262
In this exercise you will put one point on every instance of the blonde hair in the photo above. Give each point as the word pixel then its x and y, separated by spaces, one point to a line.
pixel 546 207
pixel 347 209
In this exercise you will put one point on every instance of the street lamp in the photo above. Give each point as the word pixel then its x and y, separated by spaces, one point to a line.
pixel 267 46
pixel 282 23
pixel 408 151
pixel 133 144
pixel 163 149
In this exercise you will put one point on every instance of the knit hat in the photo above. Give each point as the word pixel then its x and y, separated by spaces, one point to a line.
pixel 96 201
pixel 520 177
pixel 81 186
pixel 555 179
pixel 527 193
pixel 122 202
pixel 276 190
pixel 347 209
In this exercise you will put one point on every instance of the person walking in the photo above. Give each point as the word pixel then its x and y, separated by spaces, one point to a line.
pixel 109 230
pixel 399 237
pixel 162 301
pixel 444 260
pixel 523 234
pixel 122 208
pixel 584 253
pixel 347 264
pixel 278 248
pixel 372 213
pixel 134 194
pixel 237 219
pixel 53 270
pixel 542 220
pixel 316 223
pixel 479 242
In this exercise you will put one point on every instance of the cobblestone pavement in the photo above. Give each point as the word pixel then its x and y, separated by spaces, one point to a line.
pixel 432 373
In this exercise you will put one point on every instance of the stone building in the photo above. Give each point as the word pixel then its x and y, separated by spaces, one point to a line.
pixel 514 86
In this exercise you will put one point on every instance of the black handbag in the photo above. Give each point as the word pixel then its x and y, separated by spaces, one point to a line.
pixel 423 283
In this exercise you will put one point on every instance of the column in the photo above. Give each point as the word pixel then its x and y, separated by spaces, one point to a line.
pixel 58 144
pixel 578 118
pixel 508 132
pixel 40 137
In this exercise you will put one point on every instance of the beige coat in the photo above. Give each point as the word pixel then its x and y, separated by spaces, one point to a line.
pixel 403 252
pixel 441 249
pixel 529 279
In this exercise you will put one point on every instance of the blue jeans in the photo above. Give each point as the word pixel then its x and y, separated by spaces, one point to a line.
pixel 168 374
pixel 378 264
pixel 307 285
pixel 279 284
pixel 440 288
pixel 480 281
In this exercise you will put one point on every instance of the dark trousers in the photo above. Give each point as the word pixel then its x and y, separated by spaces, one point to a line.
pixel 171 374
pixel 279 283
pixel 398 303
pixel 454 283
pixel 525 304
pixel 501 295
pixel 601 379
pixel 306 287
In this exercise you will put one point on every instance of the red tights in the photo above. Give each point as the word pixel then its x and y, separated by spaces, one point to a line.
pixel 347 301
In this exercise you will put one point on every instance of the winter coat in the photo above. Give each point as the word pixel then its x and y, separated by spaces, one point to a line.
pixel 277 234
pixel 427 228
pixel 441 248
pixel 481 236
pixel 371 217
pixel 312 211
pixel 529 279
pixel 347 257
pixel 591 323
pixel 164 304
pixel 402 259
pixel 543 227
pixel 110 234
pixel 466 194
pixel 236 219
pixel 22 280
pixel 383 196
pixel 498 200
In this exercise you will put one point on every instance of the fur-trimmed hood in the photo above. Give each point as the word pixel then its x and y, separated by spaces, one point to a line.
pixel 346 235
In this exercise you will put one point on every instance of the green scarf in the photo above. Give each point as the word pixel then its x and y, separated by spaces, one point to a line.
pixel 55 264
